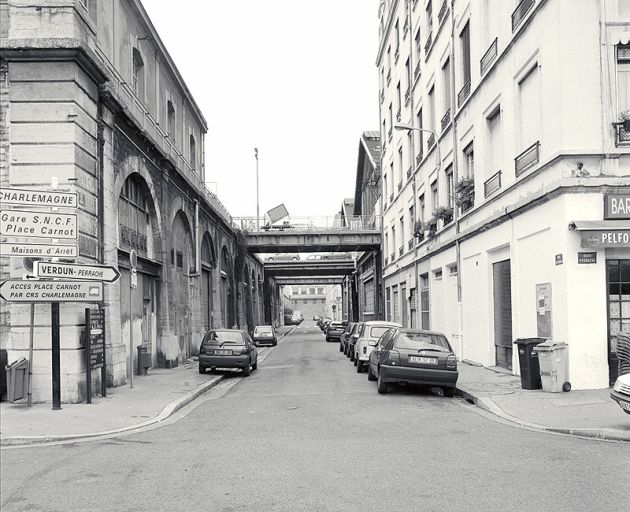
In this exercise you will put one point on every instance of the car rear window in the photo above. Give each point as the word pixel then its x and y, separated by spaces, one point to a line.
pixel 336 324
pixel 220 337
pixel 419 341
pixel 377 332
pixel 263 331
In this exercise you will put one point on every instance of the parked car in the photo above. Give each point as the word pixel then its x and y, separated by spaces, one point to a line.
pixel 405 356
pixel 335 330
pixel 352 340
pixel 316 318
pixel 344 337
pixel 368 337
pixel 283 257
pixel 265 334
pixel 227 348
pixel 324 323
pixel 621 392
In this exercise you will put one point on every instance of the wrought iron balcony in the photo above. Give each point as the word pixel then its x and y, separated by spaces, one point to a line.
pixel 398 116
pixel 622 135
pixel 396 55
pixel 399 185
pixel 419 157
pixel 416 72
pixel 401 250
pixel 409 172
pixel 520 12
pixel 446 119
pixel 386 260
pixel 392 256
pixel 492 184
pixel 464 93
pixel 407 96
pixel 410 244
pixel 527 159
pixel 389 134
pixel 405 28
pixel 431 141
pixel 391 197
pixel 489 56
pixel 382 97
pixel 389 76
pixel 443 12
pixel 427 45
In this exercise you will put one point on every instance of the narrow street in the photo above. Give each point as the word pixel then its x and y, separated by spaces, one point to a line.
pixel 306 432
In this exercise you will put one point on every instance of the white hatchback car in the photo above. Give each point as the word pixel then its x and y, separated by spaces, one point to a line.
pixel 369 334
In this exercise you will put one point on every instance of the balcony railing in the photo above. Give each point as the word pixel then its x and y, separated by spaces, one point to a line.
pixel 427 46
pixel 443 12
pixel 399 186
pixel 316 223
pixel 401 250
pixel 409 172
pixel 392 257
pixel 396 55
pixel 416 72
pixel 492 184
pixel 382 97
pixel 391 197
pixel 431 141
pixel 419 157
pixel 446 119
pixel 410 244
pixel 527 159
pixel 488 57
pixel 398 116
pixel 389 134
pixel 405 28
pixel 407 96
pixel 389 76
pixel 520 12
pixel 463 94
pixel 386 260
pixel 622 136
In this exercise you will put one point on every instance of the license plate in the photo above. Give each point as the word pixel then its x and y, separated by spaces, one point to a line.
pixel 223 352
pixel 625 406
pixel 423 360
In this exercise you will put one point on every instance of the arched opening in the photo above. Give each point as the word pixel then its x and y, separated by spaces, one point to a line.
pixel 207 264
pixel 227 290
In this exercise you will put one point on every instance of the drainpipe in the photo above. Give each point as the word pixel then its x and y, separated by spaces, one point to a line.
pixel 100 144
pixel 197 271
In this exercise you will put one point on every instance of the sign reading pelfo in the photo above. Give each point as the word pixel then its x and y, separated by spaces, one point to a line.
pixel 23 223
pixel 617 206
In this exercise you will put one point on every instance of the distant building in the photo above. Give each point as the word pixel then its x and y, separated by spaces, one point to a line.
pixel 310 300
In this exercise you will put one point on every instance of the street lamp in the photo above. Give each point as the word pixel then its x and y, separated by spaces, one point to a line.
pixel 407 127
pixel 257 199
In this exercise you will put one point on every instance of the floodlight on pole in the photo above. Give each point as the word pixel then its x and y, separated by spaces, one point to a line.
pixel 257 193
pixel 407 127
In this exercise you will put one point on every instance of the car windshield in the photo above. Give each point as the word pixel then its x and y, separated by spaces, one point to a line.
pixel 223 337
pixel 377 332
pixel 336 325
pixel 263 331
pixel 422 341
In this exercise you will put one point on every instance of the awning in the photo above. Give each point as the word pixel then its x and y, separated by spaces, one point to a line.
pixel 598 234
pixel 620 38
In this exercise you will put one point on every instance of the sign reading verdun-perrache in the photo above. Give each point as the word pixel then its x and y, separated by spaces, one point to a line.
pixel 15 290
pixel 21 197
pixel 104 273
pixel 617 206
pixel 24 250
pixel 23 223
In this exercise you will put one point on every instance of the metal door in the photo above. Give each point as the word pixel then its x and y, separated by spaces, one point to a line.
pixel 502 285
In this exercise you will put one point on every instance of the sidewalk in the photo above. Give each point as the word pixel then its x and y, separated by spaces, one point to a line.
pixel 588 413
pixel 153 398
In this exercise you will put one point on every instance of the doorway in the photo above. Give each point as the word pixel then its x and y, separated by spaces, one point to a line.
pixel 618 275
pixel 502 292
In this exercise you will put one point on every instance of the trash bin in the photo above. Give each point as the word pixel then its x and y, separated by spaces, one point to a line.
pixel 17 379
pixel 528 362
pixel 553 361
pixel 144 359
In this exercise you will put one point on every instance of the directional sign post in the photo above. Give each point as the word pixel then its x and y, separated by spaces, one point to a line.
pixel 103 273
pixel 30 224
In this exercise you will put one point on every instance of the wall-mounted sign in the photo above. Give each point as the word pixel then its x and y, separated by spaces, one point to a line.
pixel 104 273
pixel 23 223
pixel 559 259
pixel 587 258
pixel 617 206
pixel 15 290
pixel 543 310
pixel 21 197
pixel 607 238
pixel 21 250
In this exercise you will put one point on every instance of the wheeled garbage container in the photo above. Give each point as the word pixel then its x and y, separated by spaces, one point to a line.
pixel 144 359
pixel 554 366
pixel 528 362
pixel 17 379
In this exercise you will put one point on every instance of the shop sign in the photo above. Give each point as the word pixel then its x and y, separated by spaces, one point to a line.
pixel 23 223
pixel 617 206
pixel 587 258
pixel 607 238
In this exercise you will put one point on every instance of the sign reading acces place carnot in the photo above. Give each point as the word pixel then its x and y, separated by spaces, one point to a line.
pixel 15 290
pixel 23 223
pixel 104 273
pixel 617 206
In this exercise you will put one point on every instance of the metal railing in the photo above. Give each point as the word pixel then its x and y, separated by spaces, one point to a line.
pixel 446 119
pixel 520 12
pixel 443 12
pixel 401 250
pixel 419 158
pixel 489 56
pixel 410 244
pixel 427 46
pixel 392 257
pixel 492 184
pixel 317 223
pixel 431 141
pixel 463 94
pixel 416 72
pixel 409 172
pixel 399 185
pixel 622 136
pixel 527 159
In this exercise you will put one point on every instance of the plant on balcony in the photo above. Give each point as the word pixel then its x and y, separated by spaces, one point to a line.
pixel 465 190
pixel 445 213
pixel 418 229
pixel 624 117
pixel 432 225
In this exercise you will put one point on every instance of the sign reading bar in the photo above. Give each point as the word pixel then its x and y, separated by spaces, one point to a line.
pixel 38 224
pixel 608 238
pixel 103 273
pixel 617 206
pixel 38 250
pixel 21 197
pixel 587 258
pixel 51 291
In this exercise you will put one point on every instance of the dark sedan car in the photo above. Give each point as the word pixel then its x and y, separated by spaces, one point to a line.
pixel 405 356
pixel 265 335
pixel 227 348
pixel 335 330
pixel 344 337
pixel 352 340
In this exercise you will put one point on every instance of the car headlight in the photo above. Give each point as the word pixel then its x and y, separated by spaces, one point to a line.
pixel 617 386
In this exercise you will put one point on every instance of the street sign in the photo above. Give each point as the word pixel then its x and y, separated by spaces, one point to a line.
pixel 104 273
pixel 15 290
pixel 38 224
pixel 21 197
pixel 21 250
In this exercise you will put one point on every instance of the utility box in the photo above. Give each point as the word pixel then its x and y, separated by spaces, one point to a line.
pixel 528 362
pixel 554 366
pixel 17 379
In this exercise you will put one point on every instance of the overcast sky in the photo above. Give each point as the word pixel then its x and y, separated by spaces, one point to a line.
pixel 295 78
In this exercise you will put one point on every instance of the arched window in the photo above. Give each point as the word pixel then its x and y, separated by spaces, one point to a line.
pixel 137 76
pixel 193 154
pixel 134 217
pixel 170 119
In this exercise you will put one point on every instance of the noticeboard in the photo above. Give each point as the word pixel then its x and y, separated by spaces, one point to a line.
pixel 96 346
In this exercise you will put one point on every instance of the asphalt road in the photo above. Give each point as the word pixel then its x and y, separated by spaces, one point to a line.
pixel 307 433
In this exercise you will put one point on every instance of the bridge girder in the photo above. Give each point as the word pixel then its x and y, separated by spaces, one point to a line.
pixel 313 241
pixel 309 268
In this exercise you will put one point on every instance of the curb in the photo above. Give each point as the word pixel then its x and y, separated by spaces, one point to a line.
pixel 488 405
pixel 170 409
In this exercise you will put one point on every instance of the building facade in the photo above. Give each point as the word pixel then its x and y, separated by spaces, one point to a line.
pixel 504 165
pixel 310 301
pixel 90 99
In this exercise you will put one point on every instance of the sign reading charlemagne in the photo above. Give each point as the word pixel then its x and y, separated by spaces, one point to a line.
pixel 20 197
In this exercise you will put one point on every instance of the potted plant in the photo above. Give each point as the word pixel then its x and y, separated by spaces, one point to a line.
pixel 465 190
pixel 432 224
pixel 624 118
pixel 445 213
pixel 418 229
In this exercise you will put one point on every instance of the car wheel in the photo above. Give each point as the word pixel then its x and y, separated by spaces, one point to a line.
pixel 202 369
pixel 359 366
pixel 449 392
pixel 381 385
pixel 351 355
pixel 274 343
pixel 255 365
pixel 340 347
pixel 247 370
pixel 371 376
pixel 355 360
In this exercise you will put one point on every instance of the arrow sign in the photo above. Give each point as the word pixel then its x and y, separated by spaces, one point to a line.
pixel 15 290
pixel 103 273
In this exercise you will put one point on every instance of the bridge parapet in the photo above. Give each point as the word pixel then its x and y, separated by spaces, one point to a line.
pixel 253 225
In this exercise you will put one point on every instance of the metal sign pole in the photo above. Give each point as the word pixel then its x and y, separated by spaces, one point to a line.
pixel 56 359
pixel 88 366
pixel 104 367
pixel 29 399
